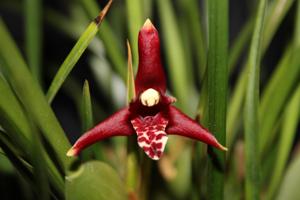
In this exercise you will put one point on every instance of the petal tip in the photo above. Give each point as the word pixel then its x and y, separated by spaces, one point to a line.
pixel 71 152
pixel 223 148
pixel 148 24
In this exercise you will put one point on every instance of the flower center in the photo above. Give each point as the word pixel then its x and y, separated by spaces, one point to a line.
pixel 150 97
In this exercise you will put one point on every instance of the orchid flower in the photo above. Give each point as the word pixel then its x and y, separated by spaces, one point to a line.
pixel 150 114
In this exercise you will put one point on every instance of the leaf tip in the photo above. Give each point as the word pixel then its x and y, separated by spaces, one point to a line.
pixel 103 12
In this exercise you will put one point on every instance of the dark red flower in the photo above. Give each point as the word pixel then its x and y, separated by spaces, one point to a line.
pixel 150 115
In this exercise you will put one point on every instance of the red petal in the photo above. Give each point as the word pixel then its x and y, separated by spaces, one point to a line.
pixel 116 125
pixel 180 124
pixel 152 137
pixel 150 72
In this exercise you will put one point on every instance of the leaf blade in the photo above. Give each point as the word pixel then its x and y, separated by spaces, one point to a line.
pixel 75 54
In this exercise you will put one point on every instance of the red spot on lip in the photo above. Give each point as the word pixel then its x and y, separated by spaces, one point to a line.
pixel 157 145
pixel 159 136
pixel 143 139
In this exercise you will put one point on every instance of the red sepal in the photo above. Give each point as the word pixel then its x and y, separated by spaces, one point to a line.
pixel 116 125
pixel 180 124
pixel 150 72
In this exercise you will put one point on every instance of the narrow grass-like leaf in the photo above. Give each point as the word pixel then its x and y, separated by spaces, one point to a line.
pixel 174 52
pixel 12 117
pixel 76 53
pixel 94 181
pixel 148 7
pixel 274 18
pixel 279 87
pixel 275 15
pixel 73 90
pixel 193 16
pixel 95 150
pixel 251 124
pixel 135 20
pixel 14 121
pixel 111 43
pixel 132 161
pixel 217 80
pixel 278 11
pixel 132 170
pixel 31 95
pixel 276 93
pixel 13 155
pixel 288 131
pixel 234 109
pixel 290 184
pixel 130 76
pixel 297 26
pixel 33 33
pixel 87 112
pixel 239 45
pixel 39 165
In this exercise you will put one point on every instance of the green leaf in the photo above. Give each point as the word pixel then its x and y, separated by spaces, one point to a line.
pixel 13 155
pixel 109 39
pixel 135 20
pixel 288 131
pixel 88 122
pixel 175 54
pixel 17 125
pixel 130 76
pixel 33 33
pixel 193 22
pixel 12 117
pixel 279 9
pixel 132 163
pixel 290 184
pixel 275 16
pixel 14 121
pixel 75 54
pixel 74 90
pixel 251 106
pixel 31 95
pixel 217 83
pixel 279 88
pixel 87 112
pixel 39 165
pixel 234 109
pixel 239 44
pixel 276 94
pixel 94 181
